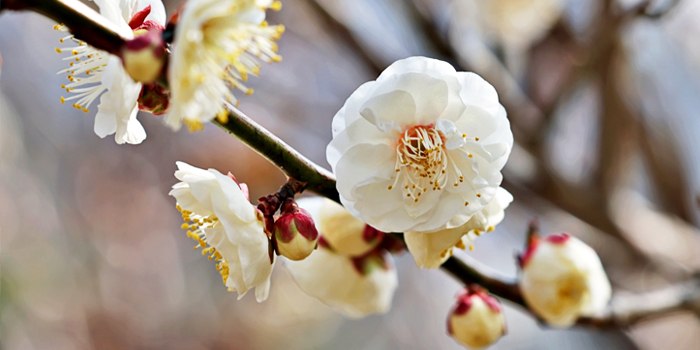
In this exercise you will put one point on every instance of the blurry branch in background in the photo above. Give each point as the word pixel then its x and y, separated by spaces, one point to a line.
pixel 624 310
pixel 651 10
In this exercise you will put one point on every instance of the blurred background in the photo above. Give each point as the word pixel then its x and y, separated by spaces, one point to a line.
pixel 603 97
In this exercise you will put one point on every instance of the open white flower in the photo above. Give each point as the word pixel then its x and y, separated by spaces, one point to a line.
pixel 477 320
pixel 92 72
pixel 421 148
pixel 563 279
pixel 432 249
pixel 218 43
pixel 230 229
pixel 355 287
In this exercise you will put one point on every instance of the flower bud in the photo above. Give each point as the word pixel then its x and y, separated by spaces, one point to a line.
pixel 144 55
pixel 563 279
pixel 344 233
pixel 295 232
pixel 477 319
pixel 154 98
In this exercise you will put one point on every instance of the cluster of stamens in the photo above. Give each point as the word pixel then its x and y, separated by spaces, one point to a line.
pixel 251 44
pixel 85 67
pixel 423 163
pixel 195 225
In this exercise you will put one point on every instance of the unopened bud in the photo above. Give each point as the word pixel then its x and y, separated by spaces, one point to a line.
pixel 563 279
pixel 144 55
pixel 295 232
pixel 344 233
pixel 477 319
pixel 154 98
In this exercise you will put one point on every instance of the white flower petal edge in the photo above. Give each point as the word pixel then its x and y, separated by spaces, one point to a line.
pixel 217 44
pixel 92 72
pixel 234 230
pixel 430 250
pixel 336 281
pixel 563 279
pixel 421 148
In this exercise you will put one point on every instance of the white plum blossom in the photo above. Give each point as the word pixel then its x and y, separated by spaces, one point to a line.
pixel 217 44
pixel 355 287
pixel 421 148
pixel 477 320
pixel 220 218
pixel 430 250
pixel 563 279
pixel 93 73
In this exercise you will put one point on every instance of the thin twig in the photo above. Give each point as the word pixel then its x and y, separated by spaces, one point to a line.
pixel 291 162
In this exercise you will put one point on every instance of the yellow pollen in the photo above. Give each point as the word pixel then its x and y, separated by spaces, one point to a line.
pixel 74 52
pixel 85 110
pixel 464 135
pixel 276 6
pixel 466 203
pixel 460 245
pixel 490 228
pixel 476 139
pixel 471 247
pixel 185 226
pixel 61 40
pixel 471 155
pixel 59 50
pixel 63 100
pixel 390 187
pixel 478 195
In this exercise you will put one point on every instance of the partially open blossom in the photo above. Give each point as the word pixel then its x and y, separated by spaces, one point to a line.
pixel 477 320
pixel 93 73
pixel 421 148
pixel 220 218
pixel 356 287
pixel 217 44
pixel 563 279
pixel 432 249
pixel 343 232
pixel 295 233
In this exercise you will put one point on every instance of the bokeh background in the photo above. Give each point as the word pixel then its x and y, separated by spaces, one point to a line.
pixel 604 100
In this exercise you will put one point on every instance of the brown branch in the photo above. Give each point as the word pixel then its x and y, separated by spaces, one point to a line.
pixel 83 22
pixel 272 148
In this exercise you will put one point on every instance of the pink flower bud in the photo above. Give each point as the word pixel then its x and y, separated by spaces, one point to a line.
pixel 477 319
pixel 144 55
pixel 295 232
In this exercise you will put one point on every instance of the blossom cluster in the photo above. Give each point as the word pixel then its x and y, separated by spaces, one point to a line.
pixel 217 45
